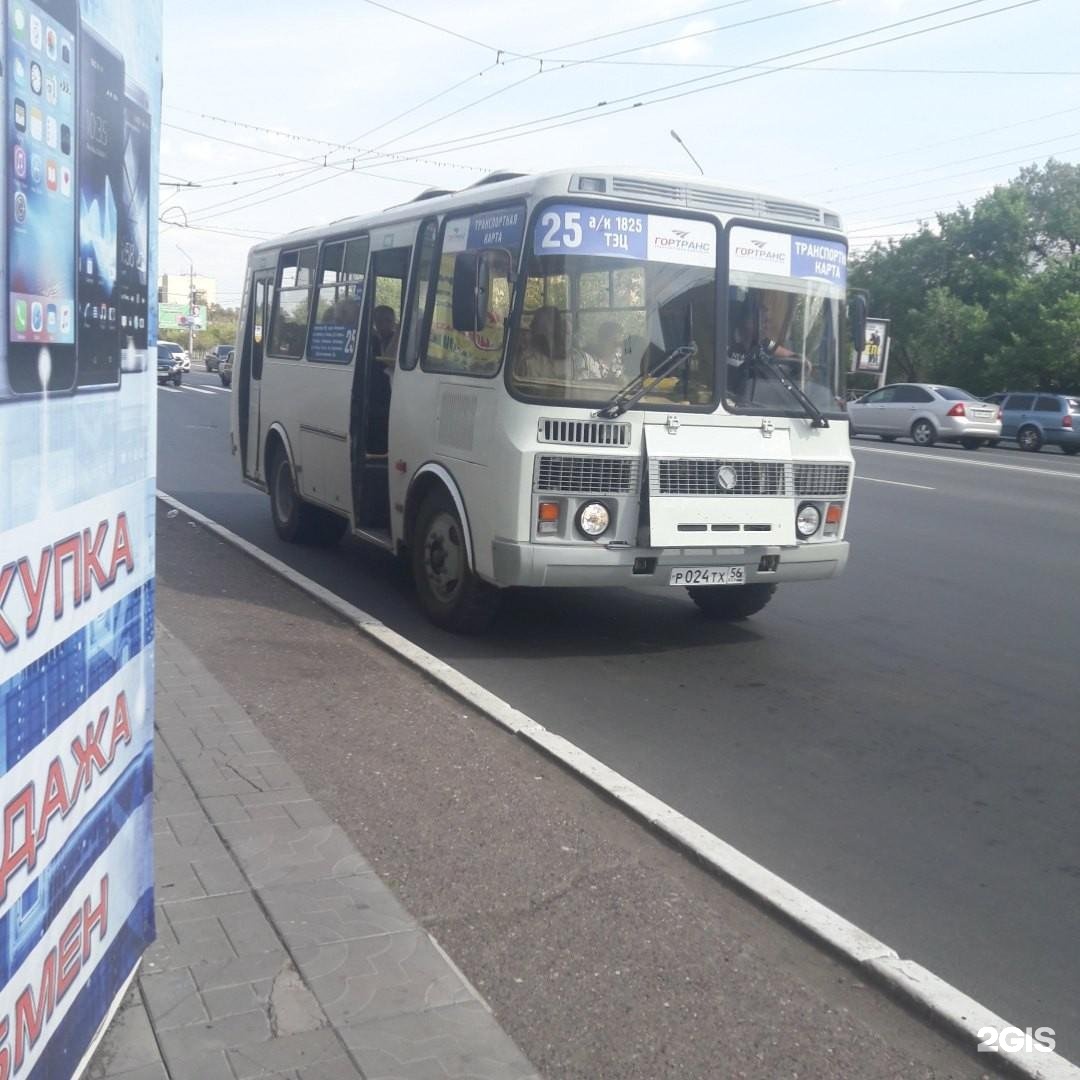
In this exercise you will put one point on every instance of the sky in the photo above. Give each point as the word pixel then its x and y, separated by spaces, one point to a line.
pixel 281 114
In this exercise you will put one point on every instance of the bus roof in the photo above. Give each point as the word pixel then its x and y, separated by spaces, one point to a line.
pixel 670 190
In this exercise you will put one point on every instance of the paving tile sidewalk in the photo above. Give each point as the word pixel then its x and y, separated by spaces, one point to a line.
pixel 279 951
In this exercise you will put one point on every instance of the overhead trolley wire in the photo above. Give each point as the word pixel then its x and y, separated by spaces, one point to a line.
pixel 566 65
pixel 573 116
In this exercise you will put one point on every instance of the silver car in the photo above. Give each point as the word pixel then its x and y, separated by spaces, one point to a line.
pixel 926 413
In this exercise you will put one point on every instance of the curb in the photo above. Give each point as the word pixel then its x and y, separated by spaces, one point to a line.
pixel 948 1007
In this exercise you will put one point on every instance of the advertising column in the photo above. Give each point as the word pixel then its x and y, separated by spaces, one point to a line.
pixel 80 88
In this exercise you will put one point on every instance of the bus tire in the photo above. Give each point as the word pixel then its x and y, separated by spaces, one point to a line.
pixel 295 521
pixel 730 602
pixel 328 527
pixel 451 595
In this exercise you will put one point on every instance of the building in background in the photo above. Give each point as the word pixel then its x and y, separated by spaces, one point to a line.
pixel 176 289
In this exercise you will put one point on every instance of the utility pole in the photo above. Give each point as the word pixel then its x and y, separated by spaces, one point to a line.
pixel 191 302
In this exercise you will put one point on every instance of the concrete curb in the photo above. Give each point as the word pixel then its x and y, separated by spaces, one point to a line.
pixel 945 1005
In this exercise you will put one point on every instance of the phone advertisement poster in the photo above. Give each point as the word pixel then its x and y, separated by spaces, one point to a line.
pixel 80 89
pixel 874 356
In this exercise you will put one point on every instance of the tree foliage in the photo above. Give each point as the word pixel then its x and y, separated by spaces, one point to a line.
pixel 988 296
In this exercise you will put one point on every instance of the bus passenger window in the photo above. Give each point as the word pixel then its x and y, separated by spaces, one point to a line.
pixel 296 271
pixel 421 289
pixel 466 352
pixel 339 301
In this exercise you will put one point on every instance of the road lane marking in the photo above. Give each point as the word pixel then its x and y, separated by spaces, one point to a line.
pixel 200 390
pixel 170 389
pixel 895 483
pixel 967 461
pixel 905 979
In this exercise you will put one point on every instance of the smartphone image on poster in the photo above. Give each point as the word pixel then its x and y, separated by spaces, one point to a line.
pixel 5 386
pixel 41 92
pixel 135 230
pixel 100 147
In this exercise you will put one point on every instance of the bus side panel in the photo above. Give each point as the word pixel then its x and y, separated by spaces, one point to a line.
pixel 324 396
pixel 281 388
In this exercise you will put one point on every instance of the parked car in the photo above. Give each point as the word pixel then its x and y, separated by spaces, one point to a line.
pixel 926 413
pixel 179 352
pixel 213 356
pixel 1036 420
pixel 169 368
pixel 225 368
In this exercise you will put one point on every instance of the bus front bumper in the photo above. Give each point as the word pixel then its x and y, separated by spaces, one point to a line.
pixel 588 566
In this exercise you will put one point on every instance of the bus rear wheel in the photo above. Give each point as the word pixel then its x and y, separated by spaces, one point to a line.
pixel 730 602
pixel 451 595
pixel 295 520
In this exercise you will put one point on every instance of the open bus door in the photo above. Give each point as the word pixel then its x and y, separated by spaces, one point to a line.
pixel 248 381
pixel 380 338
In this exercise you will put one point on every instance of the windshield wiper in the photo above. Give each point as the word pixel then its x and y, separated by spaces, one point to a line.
pixel 637 388
pixel 812 411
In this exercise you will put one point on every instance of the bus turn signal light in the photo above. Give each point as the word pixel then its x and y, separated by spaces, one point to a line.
pixel 547 518
pixel 833 516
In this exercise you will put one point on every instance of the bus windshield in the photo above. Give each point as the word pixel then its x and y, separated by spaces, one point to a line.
pixel 606 301
pixel 785 305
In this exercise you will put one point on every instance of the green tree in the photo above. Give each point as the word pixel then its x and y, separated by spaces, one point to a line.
pixel 988 297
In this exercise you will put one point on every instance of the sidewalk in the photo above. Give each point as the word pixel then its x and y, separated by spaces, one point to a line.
pixel 279 950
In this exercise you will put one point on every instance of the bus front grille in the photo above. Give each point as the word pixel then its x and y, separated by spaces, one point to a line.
pixel 584 432
pixel 813 478
pixel 568 475
pixel 713 476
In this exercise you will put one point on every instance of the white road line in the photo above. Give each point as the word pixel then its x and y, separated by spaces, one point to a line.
pixel 967 461
pixel 895 483
pixel 170 389
pixel 199 390
pixel 904 978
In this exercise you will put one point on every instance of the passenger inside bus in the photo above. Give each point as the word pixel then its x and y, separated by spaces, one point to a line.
pixel 544 354
pixel 384 345
pixel 607 350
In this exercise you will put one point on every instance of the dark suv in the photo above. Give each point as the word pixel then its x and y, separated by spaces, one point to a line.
pixel 1036 420
pixel 213 357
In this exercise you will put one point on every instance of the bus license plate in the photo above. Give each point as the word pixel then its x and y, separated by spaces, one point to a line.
pixel 708 575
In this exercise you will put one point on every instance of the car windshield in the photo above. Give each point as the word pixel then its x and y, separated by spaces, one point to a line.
pixel 952 393
pixel 785 305
pixel 609 295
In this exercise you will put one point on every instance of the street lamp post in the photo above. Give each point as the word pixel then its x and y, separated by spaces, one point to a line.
pixel 191 302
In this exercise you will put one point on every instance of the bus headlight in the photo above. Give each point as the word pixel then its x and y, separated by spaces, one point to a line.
pixel 594 519
pixel 807 520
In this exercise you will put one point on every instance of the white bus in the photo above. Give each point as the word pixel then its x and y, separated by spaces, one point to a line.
pixel 570 379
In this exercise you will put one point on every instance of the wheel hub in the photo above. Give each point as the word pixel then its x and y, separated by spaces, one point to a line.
pixel 443 556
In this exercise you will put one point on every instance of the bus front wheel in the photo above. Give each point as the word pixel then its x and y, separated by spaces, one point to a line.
pixel 730 602
pixel 451 595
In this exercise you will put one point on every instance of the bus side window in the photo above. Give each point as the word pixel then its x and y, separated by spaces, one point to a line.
pixel 296 272
pixel 421 290
pixel 339 301
pixel 466 352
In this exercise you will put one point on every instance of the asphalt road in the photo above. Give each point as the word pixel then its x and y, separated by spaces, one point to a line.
pixel 901 743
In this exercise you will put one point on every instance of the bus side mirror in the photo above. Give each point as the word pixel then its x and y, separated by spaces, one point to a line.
pixel 858 323
pixel 472 291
